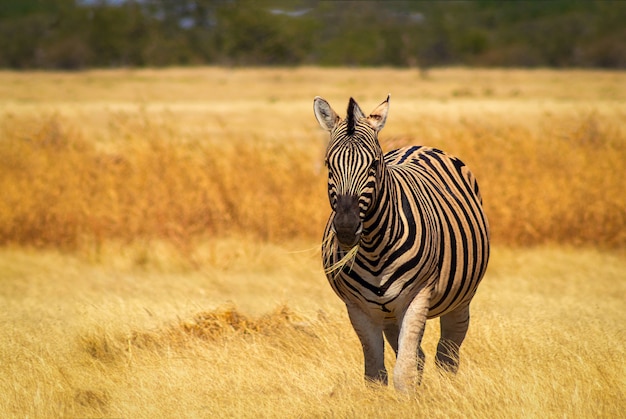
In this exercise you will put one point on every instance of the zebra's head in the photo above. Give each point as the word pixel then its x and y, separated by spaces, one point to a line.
pixel 354 160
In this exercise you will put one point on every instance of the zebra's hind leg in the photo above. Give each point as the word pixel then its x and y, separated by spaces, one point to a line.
pixel 370 334
pixel 392 332
pixel 454 327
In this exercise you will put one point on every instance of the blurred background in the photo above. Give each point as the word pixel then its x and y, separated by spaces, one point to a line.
pixel 181 120
pixel 76 34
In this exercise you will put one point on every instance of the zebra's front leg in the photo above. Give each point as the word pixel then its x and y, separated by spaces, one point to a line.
pixel 410 361
pixel 392 333
pixel 370 334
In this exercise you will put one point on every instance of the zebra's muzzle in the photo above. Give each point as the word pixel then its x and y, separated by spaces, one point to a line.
pixel 347 224
pixel 348 238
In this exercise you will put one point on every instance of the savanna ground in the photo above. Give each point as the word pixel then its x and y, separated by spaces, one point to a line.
pixel 159 234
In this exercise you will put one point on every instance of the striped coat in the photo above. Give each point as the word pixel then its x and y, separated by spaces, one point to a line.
pixel 407 240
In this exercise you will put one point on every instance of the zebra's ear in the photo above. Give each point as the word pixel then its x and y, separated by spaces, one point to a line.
pixel 378 117
pixel 325 115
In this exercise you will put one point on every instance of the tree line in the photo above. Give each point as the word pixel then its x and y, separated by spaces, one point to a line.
pixel 77 34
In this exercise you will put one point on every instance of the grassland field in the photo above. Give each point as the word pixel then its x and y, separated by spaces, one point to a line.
pixel 160 233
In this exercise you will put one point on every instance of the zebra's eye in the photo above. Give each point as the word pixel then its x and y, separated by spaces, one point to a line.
pixel 374 166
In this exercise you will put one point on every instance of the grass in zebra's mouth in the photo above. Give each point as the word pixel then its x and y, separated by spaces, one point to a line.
pixel 329 247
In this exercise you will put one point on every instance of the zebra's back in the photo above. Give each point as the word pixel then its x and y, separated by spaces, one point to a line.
pixel 464 230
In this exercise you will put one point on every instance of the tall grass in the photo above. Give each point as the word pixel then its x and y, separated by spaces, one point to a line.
pixel 557 180
pixel 185 154
pixel 61 190
pixel 121 339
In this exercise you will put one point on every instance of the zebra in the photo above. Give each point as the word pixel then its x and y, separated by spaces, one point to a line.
pixel 407 240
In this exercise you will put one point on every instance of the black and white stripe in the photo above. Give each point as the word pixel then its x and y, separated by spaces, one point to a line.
pixel 407 240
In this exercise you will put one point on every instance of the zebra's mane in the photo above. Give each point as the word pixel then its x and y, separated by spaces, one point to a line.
pixel 354 114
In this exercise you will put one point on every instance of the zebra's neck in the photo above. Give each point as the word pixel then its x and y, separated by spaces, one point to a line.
pixel 387 225
pixel 378 224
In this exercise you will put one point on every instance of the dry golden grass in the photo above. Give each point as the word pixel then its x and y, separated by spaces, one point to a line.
pixel 261 335
pixel 184 154
pixel 160 243
pixel 63 191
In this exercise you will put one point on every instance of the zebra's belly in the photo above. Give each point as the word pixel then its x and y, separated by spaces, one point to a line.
pixel 383 297
pixel 386 301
